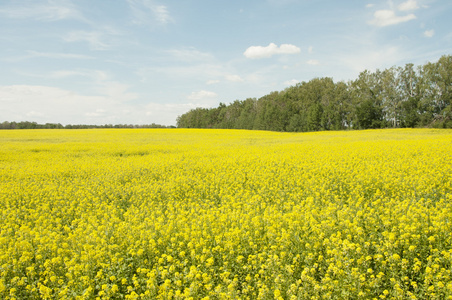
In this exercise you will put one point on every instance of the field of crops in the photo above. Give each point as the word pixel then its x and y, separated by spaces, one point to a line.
pixel 224 214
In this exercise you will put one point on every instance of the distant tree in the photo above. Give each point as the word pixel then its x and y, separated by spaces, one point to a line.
pixel 410 116
pixel 296 123
pixel 369 115
pixel 394 97
pixel 341 107
pixel 314 119
pixel 410 96
pixel 5 125
pixel 247 115
pixel 437 90
pixel 391 96
pixel 366 93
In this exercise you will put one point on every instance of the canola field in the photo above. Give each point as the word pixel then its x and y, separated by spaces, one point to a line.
pixel 225 214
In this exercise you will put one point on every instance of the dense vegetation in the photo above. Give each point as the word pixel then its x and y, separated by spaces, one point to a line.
pixel 225 214
pixel 34 125
pixel 396 97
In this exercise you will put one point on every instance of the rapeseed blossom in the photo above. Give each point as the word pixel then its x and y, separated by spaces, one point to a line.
pixel 225 214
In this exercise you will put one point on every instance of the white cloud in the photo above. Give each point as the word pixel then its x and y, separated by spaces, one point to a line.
pixel 288 49
pixel 58 55
pixel 370 5
pixel 313 62
pixel 96 113
pixel 144 11
pixel 96 76
pixel 270 50
pixel 281 2
pixel 310 50
pixel 107 90
pixel 190 55
pixel 291 82
pixel 161 13
pixel 429 33
pixel 408 5
pixel 171 71
pixel 201 95
pixel 94 39
pixel 388 17
pixel 212 81
pixel 371 59
pixel 48 11
pixel 161 113
pixel 53 55
pixel 33 114
pixel 45 104
pixel 100 83
pixel 66 73
pixel 116 91
pixel 233 78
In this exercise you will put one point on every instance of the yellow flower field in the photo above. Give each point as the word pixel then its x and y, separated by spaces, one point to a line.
pixel 225 214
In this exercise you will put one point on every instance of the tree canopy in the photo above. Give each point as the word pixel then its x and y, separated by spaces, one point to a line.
pixel 35 125
pixel 396 97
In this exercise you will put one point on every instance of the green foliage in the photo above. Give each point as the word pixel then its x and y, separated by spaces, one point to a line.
pixel 395 97
pixel 410 113
pixel 369 115
pixel 34 125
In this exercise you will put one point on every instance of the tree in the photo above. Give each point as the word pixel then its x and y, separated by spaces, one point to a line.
pixel 366 94
pixel 391 95
pixel 342 107
pixel 409 116
pixel 436 91
pixel 394 97
pixel 369 115
pixel 296 123
pixel 409 93
pixel 248 115
pixel 315 117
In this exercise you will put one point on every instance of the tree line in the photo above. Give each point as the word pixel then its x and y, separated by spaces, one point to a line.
pixel 406 96
pixel 34 125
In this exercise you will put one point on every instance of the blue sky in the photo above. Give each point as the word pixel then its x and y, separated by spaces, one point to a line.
pixel 148 61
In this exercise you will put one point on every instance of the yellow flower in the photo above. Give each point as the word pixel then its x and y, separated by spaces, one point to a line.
pixel 227 214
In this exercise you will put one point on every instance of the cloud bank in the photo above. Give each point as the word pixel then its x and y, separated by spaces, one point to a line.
pixel 385 17
pixel 144 11
pixel 408 5
pixel 429 33
pixel 45 104
pixel 256 52
pixel 388 17
pixel 201 95
pixel 45 11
